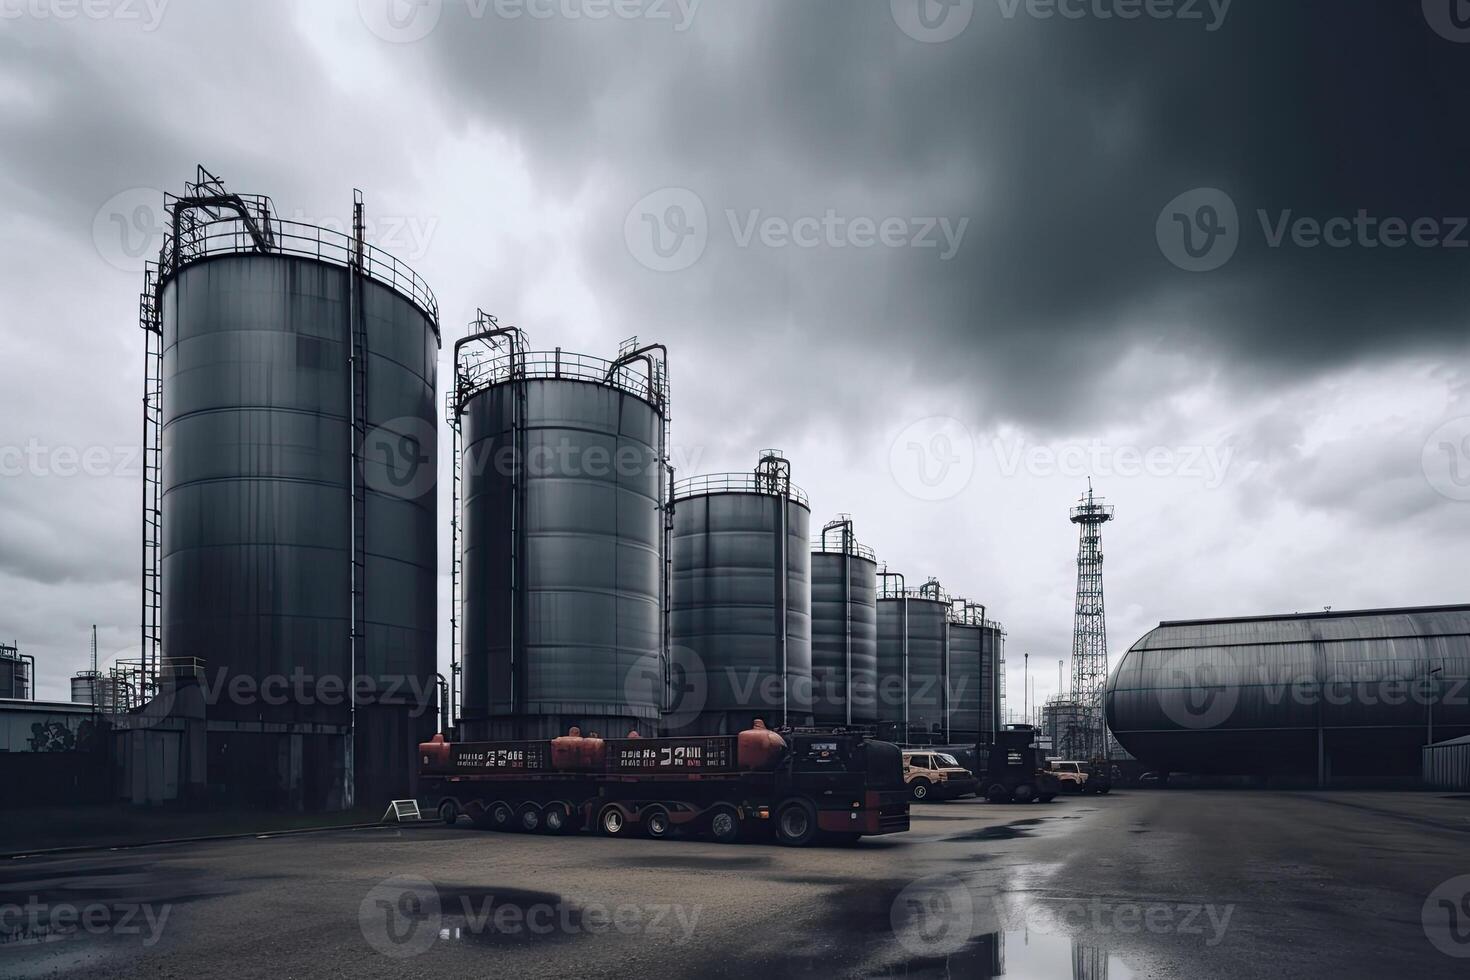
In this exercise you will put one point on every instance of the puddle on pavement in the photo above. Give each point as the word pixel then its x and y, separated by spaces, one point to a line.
pixel 1021 955
pixel 1006 831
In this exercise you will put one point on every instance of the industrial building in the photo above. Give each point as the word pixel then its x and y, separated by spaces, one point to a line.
pixel 1333 697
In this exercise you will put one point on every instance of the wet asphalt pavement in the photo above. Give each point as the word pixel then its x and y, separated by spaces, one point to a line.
pixel 1138 884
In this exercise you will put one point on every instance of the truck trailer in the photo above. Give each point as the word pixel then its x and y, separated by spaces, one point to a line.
pixel 801 786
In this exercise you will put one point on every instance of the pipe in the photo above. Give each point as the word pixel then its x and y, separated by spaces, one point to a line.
pixel 461 393
pixel 445 719
pixel 643 354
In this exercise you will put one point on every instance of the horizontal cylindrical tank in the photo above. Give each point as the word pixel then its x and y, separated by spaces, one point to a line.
pixel 563 543
pixel 844 629
pixel 741 611
pixel 913 652
pixel 1334 696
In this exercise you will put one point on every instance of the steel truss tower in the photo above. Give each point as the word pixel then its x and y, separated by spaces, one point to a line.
pixel 1090 629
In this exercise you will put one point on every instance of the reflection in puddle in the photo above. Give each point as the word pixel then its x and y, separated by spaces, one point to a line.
pixel 1022 955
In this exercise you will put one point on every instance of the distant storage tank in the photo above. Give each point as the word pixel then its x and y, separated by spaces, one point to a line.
pixel 298 497
pixel 1335 696
pixel 92 687
pixel 992 679
pixel 844 628
pixel 565 490
pixel 913 660
pixel 967 672
pixel 741 613
pixel 17 672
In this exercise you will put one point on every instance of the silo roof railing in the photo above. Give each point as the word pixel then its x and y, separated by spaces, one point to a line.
pixel 489 370
pixel 231 235
pixel 835 548
pixel 712 483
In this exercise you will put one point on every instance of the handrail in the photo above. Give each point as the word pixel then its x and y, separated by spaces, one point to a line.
pixel 488 371
pixel 713 483
pixel 820 547
pixel 233 235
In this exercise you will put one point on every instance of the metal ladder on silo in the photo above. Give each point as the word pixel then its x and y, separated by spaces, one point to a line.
pixel 357 327
pixel 150 319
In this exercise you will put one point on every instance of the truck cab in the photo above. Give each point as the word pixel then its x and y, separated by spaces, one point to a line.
pixel 932 775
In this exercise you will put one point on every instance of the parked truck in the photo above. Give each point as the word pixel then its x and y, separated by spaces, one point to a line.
pixel 799 785
pixel 1012 769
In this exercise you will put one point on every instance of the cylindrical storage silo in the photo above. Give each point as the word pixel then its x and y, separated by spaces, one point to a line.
pixel 299 495
pixel 913 652
pixel 563 471
pixel 965 687
pixel 992 680
pixel 844 629
pixel 741 612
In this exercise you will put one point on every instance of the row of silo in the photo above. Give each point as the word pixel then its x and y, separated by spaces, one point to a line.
pixel 290 535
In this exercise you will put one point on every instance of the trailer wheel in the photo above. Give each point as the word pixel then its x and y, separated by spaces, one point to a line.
pixel 920 790
pixel 724 824
pixel 612 821
pixel 529 818
pixel 997 794
pixel 449 813
pixel 796 824
pixel 502 817
pixel 656 823
pixel 556 818
pixel 1104 791
pixel 1024 793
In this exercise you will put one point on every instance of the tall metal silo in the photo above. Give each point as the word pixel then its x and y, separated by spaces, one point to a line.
pixel 844 628
pixel 992 680
pixel 966 681
pixel 289 498
pixel 741 613
pixel 565 487
pixel 913 660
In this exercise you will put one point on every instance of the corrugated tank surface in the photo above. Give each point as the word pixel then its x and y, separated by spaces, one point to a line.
pixel 966 681
pixel 844 607
pixel 915 631
pixel 1215 695
pixel 726 618
pixel 588 616
pixel 257 486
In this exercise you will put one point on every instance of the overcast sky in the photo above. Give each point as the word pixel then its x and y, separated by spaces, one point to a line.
pixel 952 258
